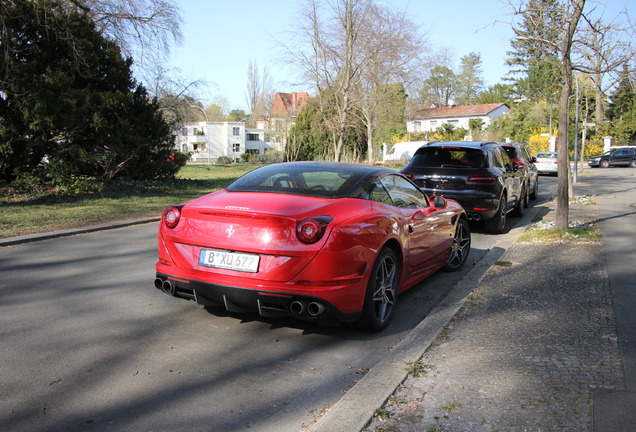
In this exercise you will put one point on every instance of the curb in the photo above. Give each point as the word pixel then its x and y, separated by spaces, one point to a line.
pixel 356 408
pixel 11 241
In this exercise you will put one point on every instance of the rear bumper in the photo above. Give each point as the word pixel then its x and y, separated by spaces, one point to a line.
pixel 479 205
pixel 267 303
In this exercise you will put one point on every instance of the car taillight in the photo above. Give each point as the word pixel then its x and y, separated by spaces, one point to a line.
pixel 172 216
pixel 408 175
pixel 311 230
pixel 481 179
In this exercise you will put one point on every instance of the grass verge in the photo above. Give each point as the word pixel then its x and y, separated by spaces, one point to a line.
pixel 579 231
pixel 51 210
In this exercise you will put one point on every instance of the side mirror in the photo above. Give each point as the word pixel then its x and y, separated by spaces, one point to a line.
pixel 533 160
pixel 515 167
pixel 438 202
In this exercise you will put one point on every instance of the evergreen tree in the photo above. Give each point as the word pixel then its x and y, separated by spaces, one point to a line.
pixel 534 58
pixel 391 121
pixel 469 81
pixel 622 110
pixel 499 93
pixel 439 88
pixel 69 107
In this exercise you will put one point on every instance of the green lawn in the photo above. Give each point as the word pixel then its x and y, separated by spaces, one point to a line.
pixel 32 213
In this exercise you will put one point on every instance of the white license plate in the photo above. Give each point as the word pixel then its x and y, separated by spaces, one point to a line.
pixel 229 260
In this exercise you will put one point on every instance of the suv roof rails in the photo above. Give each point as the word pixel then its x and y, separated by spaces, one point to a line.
pixel 486 143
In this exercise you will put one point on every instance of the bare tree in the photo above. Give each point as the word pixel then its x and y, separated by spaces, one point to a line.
pixel 391 48
pixel 259 94
pixel 325 47
pixel 142 28
pixel 604 47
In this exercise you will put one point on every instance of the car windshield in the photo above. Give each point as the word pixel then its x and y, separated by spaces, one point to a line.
pixel 439 157
pixel 308 179
pixel 550 155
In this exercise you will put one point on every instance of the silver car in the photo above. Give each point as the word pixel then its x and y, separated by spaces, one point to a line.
pixel 546 163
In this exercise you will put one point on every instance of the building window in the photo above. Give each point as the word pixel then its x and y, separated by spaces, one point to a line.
pixel 236 148
pixel 252 137
pixel 417 126
pixel 184 131
pixel 236 131
pixel 252 151
pixel 433 124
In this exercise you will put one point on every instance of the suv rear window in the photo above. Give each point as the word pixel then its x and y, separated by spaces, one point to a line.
pixel 448 158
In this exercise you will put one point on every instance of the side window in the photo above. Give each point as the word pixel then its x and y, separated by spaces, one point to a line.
pixel 379 194
pixel 497 160
pixel 403 193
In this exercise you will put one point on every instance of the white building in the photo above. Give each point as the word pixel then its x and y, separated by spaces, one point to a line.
pixel 429 120
pixel 207 141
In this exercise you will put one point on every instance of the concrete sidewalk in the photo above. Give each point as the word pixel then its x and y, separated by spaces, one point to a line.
pixel 534 348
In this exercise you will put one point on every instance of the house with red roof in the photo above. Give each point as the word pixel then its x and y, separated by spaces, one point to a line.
pixel 429 120
pixel 288 104
pixel 282 116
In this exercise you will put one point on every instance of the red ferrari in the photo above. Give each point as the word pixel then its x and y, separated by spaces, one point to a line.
pixel 319 241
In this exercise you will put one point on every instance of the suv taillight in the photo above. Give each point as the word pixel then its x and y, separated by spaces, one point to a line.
pixel 481 179
pixel 408 175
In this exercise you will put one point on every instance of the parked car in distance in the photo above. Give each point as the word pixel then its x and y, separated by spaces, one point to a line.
pixel 318 241
pixel 517 152
pixel 478 175
pixel 618 157
pixel 547 163
pixel 402 151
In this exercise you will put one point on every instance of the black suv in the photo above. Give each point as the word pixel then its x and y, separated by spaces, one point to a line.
pixel 517 152
pixel 478 175
pixel 620 157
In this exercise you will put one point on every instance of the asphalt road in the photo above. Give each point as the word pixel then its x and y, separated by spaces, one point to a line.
pixel 87 343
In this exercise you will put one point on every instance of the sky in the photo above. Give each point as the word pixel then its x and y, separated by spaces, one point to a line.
pixel 221 37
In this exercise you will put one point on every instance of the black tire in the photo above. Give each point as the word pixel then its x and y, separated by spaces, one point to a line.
pixel 520 207
pixel 497 224
pixel 381 295
pixel 605 164
pixel 460 249
pixel 535 191
pixel 633 163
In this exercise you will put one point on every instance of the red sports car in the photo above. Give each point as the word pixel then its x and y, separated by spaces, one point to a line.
pixel 319 241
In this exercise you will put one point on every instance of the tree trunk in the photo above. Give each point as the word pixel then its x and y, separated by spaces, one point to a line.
pixel 563 147
pixel 563 156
